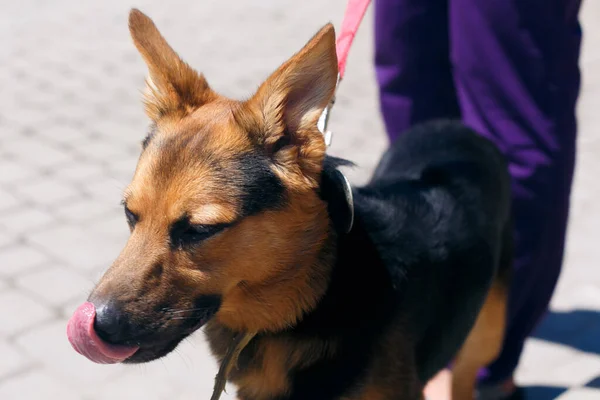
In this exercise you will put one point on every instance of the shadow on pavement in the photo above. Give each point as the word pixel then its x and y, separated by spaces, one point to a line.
pixel 542 392
pixel 579 329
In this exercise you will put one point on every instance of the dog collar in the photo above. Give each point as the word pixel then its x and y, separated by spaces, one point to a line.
pixel 340 181
pixel 347 189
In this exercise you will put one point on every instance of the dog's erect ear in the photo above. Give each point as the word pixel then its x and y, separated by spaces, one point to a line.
pixel 290 102
pixel 173 86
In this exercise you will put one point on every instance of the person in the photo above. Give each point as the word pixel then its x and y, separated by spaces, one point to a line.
pixel 509 69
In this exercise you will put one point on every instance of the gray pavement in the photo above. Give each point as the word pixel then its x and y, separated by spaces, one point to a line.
pixel 71 122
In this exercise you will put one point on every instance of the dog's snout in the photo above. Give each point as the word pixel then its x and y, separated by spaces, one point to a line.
pixel 111 324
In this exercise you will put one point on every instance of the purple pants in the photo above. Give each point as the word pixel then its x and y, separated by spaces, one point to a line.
pixel 509 69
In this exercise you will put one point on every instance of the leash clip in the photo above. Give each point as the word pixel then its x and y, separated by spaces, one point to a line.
pixel 340 177
pixel 324 118
pixel 322 125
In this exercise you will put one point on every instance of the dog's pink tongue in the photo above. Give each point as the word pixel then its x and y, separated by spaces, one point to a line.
pixel 83 338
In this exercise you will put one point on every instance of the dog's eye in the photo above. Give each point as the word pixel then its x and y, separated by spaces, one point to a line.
pixel 184 233
pixel 132 219
pixel 199 232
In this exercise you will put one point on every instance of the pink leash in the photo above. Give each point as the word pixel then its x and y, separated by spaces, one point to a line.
pixel 355 11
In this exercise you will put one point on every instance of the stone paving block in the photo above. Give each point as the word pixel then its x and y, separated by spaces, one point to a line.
pixel 539 359
pixel 22 116
pixel 67 310
pixel 18 259
pixel 13 171
pixel 126 166
pixel 190 369
pixel 585 295
pixel 54 285
pixel 193 395
pixel 120 132
pixel 62 133
pixel 20 312
pixel 97 273
pixel 136 387
pixel 11 360
pixel 81 249
pixel 87 139
pixel 86 210
pixel 41 101
pixel 581 394
pixel 100 151
pixel 26 220
pixel 78 116
pixel 78 172
pixel 106 189
pixel 114 226
pixel 37 154
pixel 6 239
pixel 48 346
pixel 48 192
pixel 8 200
pixel 37 384
pixel 122 172
pixel 577 371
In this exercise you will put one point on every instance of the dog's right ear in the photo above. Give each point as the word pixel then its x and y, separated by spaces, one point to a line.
pixel 287 106
pixel 172 85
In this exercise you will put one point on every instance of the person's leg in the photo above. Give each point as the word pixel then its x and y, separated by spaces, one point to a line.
pixel 515 66
pixel 412 63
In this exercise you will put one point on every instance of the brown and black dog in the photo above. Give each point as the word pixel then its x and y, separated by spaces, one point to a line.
pixel 238 222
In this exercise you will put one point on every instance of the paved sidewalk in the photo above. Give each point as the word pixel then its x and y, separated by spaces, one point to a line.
pixel 71 122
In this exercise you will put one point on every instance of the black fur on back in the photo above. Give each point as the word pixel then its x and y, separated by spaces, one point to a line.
pixel 430 229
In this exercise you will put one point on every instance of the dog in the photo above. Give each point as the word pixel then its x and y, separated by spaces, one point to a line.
pixel 241 224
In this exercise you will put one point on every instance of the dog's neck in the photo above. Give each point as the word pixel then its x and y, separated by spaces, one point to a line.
pixel 303 276
pixel 354 306
pixel 303 257
pixel 340 306
pixel 351 293
pixel 301 287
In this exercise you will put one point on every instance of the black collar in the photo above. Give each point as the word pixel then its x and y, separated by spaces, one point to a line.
pixel 337 192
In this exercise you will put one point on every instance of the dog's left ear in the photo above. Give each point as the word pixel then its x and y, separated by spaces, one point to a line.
pixel 289 103
pixel 172 85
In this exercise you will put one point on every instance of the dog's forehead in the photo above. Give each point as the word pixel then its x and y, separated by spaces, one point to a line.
pixel 190 160
pixel 197 164
pixel 212 127
pixel 205 140
pixel 171 190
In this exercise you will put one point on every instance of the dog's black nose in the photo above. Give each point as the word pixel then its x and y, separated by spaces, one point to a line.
pixel 111 324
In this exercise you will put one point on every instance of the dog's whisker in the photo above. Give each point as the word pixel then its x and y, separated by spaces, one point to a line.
pixel 187 310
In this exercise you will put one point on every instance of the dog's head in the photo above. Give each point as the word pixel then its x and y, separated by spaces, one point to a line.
pixel 224 209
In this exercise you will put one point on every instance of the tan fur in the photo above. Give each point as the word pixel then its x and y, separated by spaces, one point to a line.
pixel 392 373
pixel 483 344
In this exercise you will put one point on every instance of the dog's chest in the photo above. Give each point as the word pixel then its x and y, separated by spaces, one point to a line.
pixel 262 368
pixel 265 366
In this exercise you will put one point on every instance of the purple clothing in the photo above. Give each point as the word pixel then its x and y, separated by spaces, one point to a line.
pixel 509 69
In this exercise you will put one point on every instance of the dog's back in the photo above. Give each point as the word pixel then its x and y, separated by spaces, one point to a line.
pixel 438 211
